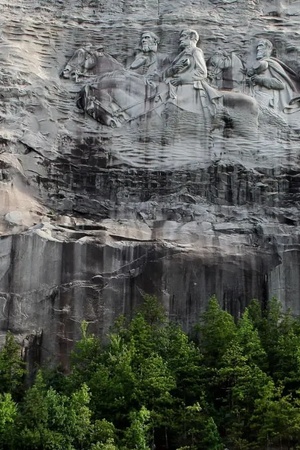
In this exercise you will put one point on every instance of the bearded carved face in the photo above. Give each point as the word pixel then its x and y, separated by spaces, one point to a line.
pixel 263 51
pixel 148 43
pixel 185 39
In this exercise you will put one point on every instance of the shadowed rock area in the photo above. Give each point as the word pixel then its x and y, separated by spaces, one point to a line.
pixel 169 168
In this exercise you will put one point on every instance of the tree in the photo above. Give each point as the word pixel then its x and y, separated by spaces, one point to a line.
pixel 280 337
pixel 185 363
pixel 217 329
pixel 255 314
pixel 211 436
pixel 249 340
pixel 137 434
pixel 12 368
pixel 239 383
pixel 33 416
pixel 103 435
pixel 152 311
pixel 49 420
pixel 69 418
pixel 199 431
pixel 8 414
pixel 85 358
pixel 270 331
pixel 108 445
pixel 286 370
pixel 276 419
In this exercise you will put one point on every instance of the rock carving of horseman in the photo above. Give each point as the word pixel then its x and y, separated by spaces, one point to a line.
pixel 115 95
pixel 148 60
pixel 270 80
pixel 190 91
pixel 187 76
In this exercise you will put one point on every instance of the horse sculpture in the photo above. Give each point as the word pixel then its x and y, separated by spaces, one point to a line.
pixel 113 95
pixel 89 62
pixel 226 71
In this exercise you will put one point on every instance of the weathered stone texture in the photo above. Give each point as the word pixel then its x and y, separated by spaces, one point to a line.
pixel 92 217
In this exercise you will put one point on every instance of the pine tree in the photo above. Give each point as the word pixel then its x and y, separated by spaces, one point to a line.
pixel 12 368
pixel 217 330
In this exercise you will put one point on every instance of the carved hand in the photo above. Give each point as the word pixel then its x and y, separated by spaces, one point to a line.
pixel 249 72
pixel 256 79
pixel 176 81
pixel 179 80
pixel 182 65
pixel 153 78
pixel 138 62
pixel 269 83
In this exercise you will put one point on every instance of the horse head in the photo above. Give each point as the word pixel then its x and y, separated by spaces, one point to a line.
pixel 89 61
pixel 225 70
pixel 82 62
pixel 217 63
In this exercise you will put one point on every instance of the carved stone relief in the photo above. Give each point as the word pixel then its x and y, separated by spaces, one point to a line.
pixel 114 95
pixel 228 96
pixel 177 173
pixel 267 79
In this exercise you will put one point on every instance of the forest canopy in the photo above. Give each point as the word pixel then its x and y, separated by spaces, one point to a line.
pixel 231 384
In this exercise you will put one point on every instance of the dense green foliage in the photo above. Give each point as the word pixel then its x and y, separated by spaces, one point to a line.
pixel 234 385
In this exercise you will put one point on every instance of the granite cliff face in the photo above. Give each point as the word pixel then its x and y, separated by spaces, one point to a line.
pixel 103 201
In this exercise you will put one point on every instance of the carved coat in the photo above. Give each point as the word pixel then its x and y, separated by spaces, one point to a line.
pixel 147 63
pixel 194 94
pixel 278 88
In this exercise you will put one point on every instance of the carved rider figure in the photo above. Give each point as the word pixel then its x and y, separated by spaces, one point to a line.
pixel 187 73
pixel 270 79
pixel 148 60
pixel 189 66
pixel 115 95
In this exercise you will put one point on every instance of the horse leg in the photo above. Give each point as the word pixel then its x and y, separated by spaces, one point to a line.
pixel 243 112
pixel 101 109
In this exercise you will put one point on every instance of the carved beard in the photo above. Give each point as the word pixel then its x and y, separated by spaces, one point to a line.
pixel 148 47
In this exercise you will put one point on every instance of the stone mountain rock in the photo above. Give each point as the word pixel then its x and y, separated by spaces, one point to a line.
pixel 183 199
